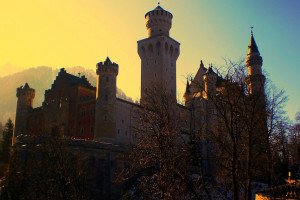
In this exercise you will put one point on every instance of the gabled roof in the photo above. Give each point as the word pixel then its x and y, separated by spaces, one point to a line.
pixel 71 80
pixel 200 72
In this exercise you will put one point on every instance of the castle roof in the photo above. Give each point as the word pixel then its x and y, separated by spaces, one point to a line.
pixel 187 89
pixel 158 8
pixel 26 86
pixel 210 70
pixel 200 72
pixel 71 80
pixel 107 61
pixel 252 48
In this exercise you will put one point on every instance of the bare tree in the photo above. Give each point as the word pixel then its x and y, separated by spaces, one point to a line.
pixel 236 131
pixel 159 163
pixel 44 168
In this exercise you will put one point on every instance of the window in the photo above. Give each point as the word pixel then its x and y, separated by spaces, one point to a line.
pixel 118 131
pixel 122 121
pixel 81 131
pixel 107 79
pixel 105 118
pixel 106 97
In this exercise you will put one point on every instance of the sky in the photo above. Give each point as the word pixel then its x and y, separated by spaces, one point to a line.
pixel 65 33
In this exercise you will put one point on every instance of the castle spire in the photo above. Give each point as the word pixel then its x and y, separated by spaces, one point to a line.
pixel 252 48
pixel 187 89
pixel 201 64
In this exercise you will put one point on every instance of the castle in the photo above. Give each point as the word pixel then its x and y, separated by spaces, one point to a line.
pixel 79 110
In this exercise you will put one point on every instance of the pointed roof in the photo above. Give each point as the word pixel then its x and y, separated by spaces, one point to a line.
pixel 252 48
pixel 201 64
pixel 107 61
pixel 199 75
pixel 210 70
pixel 70 80
pixel 26 86
pixel 187 89
pixel 158 7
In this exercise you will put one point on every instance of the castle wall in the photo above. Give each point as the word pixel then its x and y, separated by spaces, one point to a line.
pixel 126 116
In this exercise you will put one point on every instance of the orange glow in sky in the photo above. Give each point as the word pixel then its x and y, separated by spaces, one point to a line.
pixel 65 33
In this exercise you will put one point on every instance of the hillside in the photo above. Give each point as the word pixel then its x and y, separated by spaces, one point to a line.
pixel 39 78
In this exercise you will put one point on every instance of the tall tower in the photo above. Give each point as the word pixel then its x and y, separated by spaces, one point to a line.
pixel 158 53
pixel 105 113
pixel 256 84
pixel 25 96
pixel 255 78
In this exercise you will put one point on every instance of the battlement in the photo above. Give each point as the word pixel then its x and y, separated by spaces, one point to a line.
pixel 107 67
pixel 25 90
pixel 159 22
pixel 159 11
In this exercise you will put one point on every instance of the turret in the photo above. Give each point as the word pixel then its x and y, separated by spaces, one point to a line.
pixel 187 94
pixel 255 79
pixel 105 113
pixel 256 83
pixel 159 54
pixel 25 96
pixel 159 22
pixel 210 81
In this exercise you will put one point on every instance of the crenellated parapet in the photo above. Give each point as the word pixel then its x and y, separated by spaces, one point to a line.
pixel 107 67
pixel 25 91
pixel 159 22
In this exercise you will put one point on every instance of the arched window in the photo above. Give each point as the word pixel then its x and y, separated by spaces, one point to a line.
pixel 150 48
pixel 166 47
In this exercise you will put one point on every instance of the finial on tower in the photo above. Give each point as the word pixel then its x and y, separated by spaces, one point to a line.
pixel 158 3
pixel 252 48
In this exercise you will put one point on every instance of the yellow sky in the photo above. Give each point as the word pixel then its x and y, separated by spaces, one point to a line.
pixel 63 33
pixel 66 33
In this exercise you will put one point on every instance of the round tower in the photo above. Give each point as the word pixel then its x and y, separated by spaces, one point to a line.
pixel 25 96
pixel 159 22
pixel 159 54
pixel 105 113
pixel 210 81
pixel 255 78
